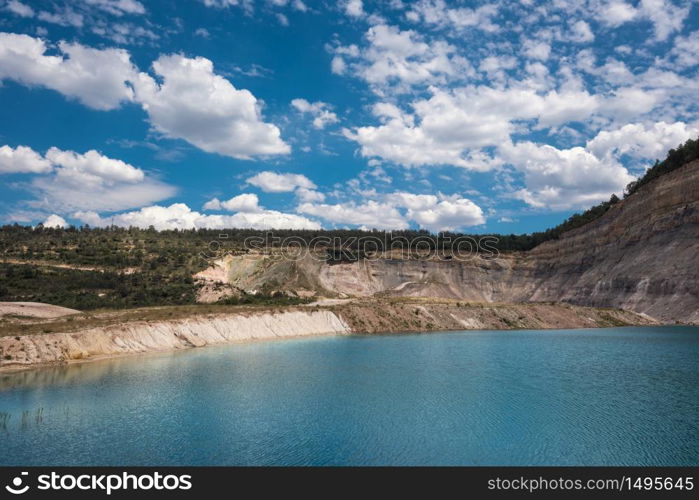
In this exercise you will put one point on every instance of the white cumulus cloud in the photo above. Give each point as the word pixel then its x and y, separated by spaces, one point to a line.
pixel 564 178
pixel 188 101
pixel 370 214
pixel 451 126
pixel 665 16
pixel 93 167
pixel 643 141
pixel 439 13
pixel 82 181
pixel 354 8
pixel 203 108
pixel 19 8
pixel 54 220
pixel 581 32
pixel 22 159
pixel 396 210
pixel 180 216
pixel 118 7
pixel 320 111
pixel 246 202
pixel 398 60
pixel 97 78
pixel 272 182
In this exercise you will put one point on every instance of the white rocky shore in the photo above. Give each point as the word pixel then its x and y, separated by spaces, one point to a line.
pixel 160 336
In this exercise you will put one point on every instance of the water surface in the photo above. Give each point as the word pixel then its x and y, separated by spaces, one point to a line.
pixel 618 396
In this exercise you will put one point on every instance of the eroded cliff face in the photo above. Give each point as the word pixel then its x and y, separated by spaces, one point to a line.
pixel 162 336
pixel 374 315
pixel 475 279
pixel 642 255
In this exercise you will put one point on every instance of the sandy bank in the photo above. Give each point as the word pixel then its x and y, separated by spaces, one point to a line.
pixel 141 337
pixel 370 316
pixel 34 310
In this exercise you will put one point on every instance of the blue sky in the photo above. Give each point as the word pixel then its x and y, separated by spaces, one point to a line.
pixel 493 116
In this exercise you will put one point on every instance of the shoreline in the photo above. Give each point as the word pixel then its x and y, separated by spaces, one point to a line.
pixel 27 352
pixel 12 369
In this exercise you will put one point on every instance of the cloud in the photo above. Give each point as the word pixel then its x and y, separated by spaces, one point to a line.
pixel 450 127
pixel 54 220
pixel 246 203
pixel 617 12
pixel 65 17
pixel 580 32
pixel 665 16
pixel 22 160
pixel 642 141
pixel 322 116
pixel 180 216
pixel 439 133
pixel 396 210
pixel 97 78
pixel 338 65
pixel 88 181
pixel 197 105
pixel 19 8
pixel 370 214
pixel 561 179
pixel 496 67
pixel 436 13
pixel 93 167
pixel 354 8
pixel 189 101
pixel 64 195
pixel 272 182
pixel 398 60
pixel 439 212
pixel 629 102
pixel 309 195
pixel 118 7
pixel 220 4
pixel 537 49
pixel 685 52
pixel 124 33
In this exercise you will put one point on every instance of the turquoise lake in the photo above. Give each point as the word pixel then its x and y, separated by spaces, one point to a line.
pixel 617 396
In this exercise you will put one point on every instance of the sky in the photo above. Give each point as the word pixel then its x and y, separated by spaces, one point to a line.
pixel 499 116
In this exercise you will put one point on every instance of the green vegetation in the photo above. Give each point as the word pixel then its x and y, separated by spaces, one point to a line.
pixel 689 151
pixel 275 299
pixel 685 153
pixel 81 289
pixel 91 268
pixel 94 268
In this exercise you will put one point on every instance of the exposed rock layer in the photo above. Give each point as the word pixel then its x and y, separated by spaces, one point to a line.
pixel 371 316
pixel 34 310
pixel 139 337
pixel 642 255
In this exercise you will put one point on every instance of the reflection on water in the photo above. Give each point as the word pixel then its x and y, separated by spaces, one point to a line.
pixel 77 372
pixel 598 397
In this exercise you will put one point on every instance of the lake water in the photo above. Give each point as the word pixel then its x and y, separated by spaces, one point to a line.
pixel 619 396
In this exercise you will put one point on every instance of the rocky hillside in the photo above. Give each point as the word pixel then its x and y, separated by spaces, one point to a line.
pixel 81 337
pixel 641 255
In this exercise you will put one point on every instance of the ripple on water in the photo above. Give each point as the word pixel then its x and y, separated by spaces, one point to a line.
pixel 584 397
